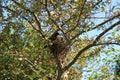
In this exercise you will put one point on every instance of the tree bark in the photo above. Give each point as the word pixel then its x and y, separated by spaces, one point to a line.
pixel 59 74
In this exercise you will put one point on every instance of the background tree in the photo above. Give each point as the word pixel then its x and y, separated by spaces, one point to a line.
pixel 26 26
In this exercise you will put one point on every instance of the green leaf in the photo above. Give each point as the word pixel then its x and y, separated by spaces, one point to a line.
pixel 103 9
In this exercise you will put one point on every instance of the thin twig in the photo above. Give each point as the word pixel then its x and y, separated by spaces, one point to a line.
pixel 77 22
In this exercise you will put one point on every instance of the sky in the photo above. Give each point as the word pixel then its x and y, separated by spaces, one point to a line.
pixel 102 55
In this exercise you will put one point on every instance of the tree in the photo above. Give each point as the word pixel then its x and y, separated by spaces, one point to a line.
pixel 26 26
pixel 117 70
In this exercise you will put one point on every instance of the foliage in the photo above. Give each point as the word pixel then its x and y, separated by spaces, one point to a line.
pixel 102 66
pixel 26 26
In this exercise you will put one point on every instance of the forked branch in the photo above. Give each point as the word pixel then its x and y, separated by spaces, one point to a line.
pixel 91 45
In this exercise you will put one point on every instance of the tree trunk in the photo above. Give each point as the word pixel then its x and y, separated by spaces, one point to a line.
pixel 59 75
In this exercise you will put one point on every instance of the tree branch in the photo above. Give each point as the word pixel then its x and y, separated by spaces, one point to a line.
pixel 106 21
pixel 81 12
pixel 32 64
pixel 97 3
pixel 54 22
pixel 77 56
pixel 105 31
pixel 19 4
pixel 105 43
pixel 91 45
pixel 97 26
pixel 59 28
pixel 77 22
pixel 35 17
pixel 38 23
pixel 18 13
pixel 108 43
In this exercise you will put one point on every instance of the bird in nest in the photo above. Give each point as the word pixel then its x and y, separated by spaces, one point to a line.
pixel 58 46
